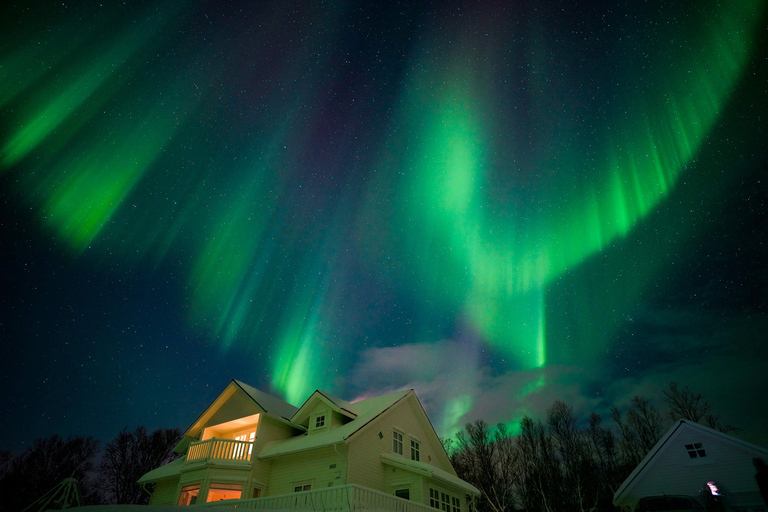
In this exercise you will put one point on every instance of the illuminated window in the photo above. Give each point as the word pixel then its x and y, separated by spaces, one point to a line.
pixel 189 494
pixel 256 492
pixel 397 442
pixel 414 450
pixel 434 498
pixel 240 451
pixel 302 487
pixel 320 421
pixel 695 450
pixel 219 492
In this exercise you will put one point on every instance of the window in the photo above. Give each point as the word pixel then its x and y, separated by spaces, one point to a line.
pixel 218 492
pixel 445 504
pixel 414 450
pixel 302 487
pixel 434 498
pixel 239 451
pixel 397 442
pixel 320 421
pixel 256 492
pixel 188 495
pixel 403 493
pixel 695 450
pixel 456 504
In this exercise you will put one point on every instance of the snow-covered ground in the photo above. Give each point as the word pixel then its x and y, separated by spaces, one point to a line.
pixel 144 508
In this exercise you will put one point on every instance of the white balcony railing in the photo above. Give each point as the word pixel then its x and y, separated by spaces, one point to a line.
pixel 221 449
pixel 344 498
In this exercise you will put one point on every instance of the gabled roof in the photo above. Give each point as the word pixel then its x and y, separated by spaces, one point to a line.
pixel 335 403
pixel 365 411
pixel 268 403
pixel 263 402
pixel 664 442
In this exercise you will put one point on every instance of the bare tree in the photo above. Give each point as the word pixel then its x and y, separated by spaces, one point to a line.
pixel 28 476
pixel 639 430
pixel 539 482
pixel 129 456
pixel 684 404
pixel 486 460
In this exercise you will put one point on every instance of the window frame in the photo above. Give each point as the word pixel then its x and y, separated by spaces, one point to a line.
pixel 695 450
pixel 415 450
pixel 223 486
pixel 192 499
pixel 397 442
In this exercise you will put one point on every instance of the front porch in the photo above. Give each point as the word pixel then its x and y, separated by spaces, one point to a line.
pixel 343 498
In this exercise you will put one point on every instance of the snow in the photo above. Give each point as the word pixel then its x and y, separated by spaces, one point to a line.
pixel 365 411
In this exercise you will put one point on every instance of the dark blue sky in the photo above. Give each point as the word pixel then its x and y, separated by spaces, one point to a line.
pixel 498 206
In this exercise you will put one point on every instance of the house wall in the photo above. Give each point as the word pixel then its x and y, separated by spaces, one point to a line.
pixel 396 478
pixel 270 429
pixel 235 407
pixel 321 468
pixel 672 471
pixel 165 492
pixel 366 468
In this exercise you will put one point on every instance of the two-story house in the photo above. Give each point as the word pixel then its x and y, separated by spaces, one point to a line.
pixel 248 444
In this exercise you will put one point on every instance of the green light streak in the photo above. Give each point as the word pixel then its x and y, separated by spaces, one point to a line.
pixel 53 106
pixel 497 271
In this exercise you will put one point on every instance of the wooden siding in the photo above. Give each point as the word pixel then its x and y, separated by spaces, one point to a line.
pixel 672 471
pixel 165 492
pixel 270 429
pixel 407 417
pixel 237 406
pixel 313 466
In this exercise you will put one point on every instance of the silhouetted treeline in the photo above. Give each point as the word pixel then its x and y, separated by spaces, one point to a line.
pixel 107 476
pixel 562 463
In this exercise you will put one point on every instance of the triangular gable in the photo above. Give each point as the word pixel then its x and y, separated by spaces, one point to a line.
pixel 235 401
pixel 365 412
pixel 666 441
pixel 334 403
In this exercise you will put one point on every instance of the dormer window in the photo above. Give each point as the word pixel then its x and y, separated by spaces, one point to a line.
pixel 320 421
pixel 695 450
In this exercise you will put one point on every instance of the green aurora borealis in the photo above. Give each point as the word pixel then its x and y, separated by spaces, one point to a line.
pixel 314 177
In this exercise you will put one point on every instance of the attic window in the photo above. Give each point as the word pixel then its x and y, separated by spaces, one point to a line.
pixel 695 450
pixel 397 442
pixel 414 450
pixel 320 421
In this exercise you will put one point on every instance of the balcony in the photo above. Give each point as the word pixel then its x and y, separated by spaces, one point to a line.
pixel 220 450
pixel 344 498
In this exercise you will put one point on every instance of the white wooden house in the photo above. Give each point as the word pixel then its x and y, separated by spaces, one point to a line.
pixel 686 459
pixel 372 454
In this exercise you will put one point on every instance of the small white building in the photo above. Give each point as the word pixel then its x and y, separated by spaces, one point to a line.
pixel 689 456
pixel 373 454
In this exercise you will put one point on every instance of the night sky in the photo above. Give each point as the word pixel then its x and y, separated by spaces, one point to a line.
pixel 498 204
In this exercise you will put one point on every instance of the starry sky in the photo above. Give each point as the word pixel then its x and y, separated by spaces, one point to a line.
pixel 498 204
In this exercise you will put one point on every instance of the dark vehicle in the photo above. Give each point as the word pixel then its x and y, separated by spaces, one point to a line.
pixel 667 504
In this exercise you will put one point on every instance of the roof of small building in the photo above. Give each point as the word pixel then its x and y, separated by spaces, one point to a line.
pixel 364 410
pixel 645 464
